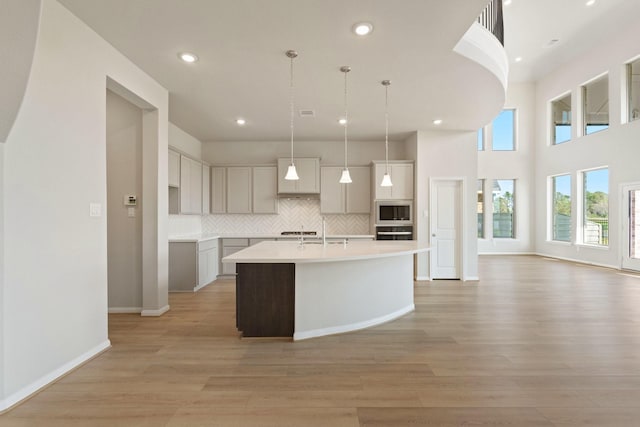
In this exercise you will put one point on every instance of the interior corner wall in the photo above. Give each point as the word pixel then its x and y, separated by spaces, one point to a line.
pixel 616 148
pixel 447 155
pixel 519 165
pixel 54 311
pixel 3 323
pixel 124 177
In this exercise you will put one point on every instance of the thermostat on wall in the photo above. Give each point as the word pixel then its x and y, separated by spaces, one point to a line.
pixel 130 200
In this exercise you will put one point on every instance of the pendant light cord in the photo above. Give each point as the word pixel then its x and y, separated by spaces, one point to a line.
pixel 386 128
pixel 346 116
pixel 291 105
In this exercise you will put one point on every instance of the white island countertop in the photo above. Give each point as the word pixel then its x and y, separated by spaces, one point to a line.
pixel 314 251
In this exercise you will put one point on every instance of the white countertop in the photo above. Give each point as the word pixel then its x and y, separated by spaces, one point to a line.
pixel 200 237
pixel 292 252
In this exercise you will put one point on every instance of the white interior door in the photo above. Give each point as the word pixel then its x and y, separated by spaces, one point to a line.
pixel 446 212
pixel 631 227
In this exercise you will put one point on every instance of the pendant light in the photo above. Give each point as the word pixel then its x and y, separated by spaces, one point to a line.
pixel 345 178
pixel 386 179
pixel 291 175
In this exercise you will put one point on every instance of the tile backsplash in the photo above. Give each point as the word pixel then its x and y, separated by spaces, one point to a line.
pixel 294 214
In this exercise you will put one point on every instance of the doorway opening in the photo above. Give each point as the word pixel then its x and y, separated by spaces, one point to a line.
pixel 631 227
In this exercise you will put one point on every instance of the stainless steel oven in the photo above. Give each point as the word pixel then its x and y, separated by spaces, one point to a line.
pixel 394 212
pixel 394 232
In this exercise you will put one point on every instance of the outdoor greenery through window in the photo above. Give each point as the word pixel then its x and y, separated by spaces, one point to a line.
pixel 504 131
pixel 480 208
pixel 561 220
pixel 596 105
pixel 595 218
pixel 633 85
pixel 561 119
pixel 481 139
pixel 503 208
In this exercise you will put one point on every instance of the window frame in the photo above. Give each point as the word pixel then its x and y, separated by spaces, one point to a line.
pixel 552 236
pixel 514 233
pixel 480 190
pixel 584 100
pixel 630 110
pixel 552 122
pixel 582 208
pixel 514 130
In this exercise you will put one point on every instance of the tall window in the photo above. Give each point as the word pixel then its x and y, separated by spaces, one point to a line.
pixel 561 119
pixel 596 105
pixel 503 208
pixel 480 208
pixel 561 211
pixel 504 131
pixel 633 87
pixel 595 215
pixel 481 139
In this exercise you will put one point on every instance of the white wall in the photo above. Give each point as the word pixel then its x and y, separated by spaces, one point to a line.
pixel 617 147
pixel 54 308
pixel 518 165
pixel 124 233
pixel 331 153
pixel 184 142
pixel 446 155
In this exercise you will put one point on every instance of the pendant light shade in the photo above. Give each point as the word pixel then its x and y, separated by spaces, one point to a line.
pixel 291 175
pixel 346 177
pixel 386 179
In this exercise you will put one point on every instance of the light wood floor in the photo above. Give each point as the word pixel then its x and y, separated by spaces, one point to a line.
pixel 536 342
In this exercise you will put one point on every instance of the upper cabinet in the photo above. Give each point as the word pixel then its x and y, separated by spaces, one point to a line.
pixel 353 198
pixel 308 171
pixel 174 169
pixel 206 191
pixel 265 188
pixel 401 177
pixel 190 186
pixel 244 189
pixel 218 190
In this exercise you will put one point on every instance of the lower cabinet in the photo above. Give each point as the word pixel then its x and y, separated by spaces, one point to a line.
pixel 192 265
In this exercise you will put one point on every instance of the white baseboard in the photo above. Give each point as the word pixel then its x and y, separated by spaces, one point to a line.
pixel 41 382
pixel 471 278
pixel 124 310
pixel 579 261
pixel 155 313
pixel 353 326
pixel 197 288
pixel 423 278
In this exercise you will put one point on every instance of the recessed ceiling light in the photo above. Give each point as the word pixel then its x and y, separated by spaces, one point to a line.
pixel 590 2
pixel 518 58
pixel 188 57
pixel 342 121
pixel 437 122
pixel 506 2
pixel 241 122
pixel 362 28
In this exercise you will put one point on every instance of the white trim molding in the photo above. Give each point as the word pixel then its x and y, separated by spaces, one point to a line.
pixel 155 313
pixel 27 391
pixel 124 310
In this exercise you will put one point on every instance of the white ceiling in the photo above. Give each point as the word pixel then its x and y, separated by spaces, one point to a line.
pixel 243 70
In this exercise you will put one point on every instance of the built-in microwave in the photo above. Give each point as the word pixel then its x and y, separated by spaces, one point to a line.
pixel 394 212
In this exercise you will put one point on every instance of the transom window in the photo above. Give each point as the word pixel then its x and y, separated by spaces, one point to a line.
pixel 596 105
pixel 633 85
pixel 504 131
pixel 561 119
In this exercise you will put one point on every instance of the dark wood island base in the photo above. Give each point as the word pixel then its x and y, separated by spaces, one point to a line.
pixel 265 299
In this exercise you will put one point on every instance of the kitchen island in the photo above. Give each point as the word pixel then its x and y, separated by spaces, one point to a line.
pixel 288 289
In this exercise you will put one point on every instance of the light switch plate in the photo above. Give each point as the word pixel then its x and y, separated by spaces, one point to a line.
pixel 95 209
